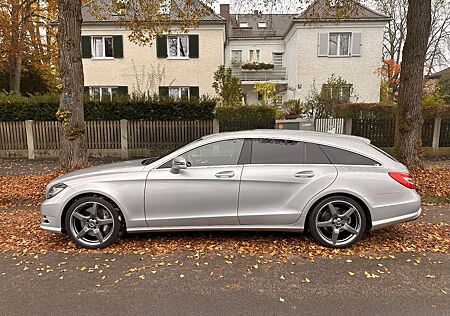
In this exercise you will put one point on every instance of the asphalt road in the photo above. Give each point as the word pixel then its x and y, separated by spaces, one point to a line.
pixel 57 283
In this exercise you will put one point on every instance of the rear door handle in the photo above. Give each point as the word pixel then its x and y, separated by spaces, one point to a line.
pixel 225 174
pixel 304 174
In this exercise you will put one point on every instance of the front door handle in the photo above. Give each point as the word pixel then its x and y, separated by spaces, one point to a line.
pixel 225 174
pixel 304 174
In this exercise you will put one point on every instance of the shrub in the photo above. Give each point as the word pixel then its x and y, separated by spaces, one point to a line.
pixel 44 107
pixel 257 66
pixel 293 108
pixel 245 117
pixel 444 87
pixel 383 111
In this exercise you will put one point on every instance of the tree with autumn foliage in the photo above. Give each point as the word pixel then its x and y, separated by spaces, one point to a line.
pixel 28 40
pixel 145 19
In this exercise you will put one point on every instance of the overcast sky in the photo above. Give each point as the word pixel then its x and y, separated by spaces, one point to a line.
pixel 283 6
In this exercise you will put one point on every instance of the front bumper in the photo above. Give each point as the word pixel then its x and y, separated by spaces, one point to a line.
pixel 52 209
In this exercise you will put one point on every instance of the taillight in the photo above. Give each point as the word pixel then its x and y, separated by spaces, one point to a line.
pixel 404 179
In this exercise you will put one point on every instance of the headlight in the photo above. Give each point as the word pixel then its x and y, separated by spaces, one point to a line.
pixel 54 190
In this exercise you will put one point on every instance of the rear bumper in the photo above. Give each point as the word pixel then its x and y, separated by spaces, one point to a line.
pixel 395 220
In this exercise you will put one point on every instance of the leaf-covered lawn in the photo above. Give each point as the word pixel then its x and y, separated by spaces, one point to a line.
pixel 19 229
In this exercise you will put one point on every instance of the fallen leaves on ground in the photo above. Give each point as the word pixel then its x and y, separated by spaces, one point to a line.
pixel 433 181
pixel 24 190
pixel 19 232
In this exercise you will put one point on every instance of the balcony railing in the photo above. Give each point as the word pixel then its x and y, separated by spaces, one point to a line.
pixel 277 75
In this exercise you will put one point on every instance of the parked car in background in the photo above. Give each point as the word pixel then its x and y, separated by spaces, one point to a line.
pixel 336 186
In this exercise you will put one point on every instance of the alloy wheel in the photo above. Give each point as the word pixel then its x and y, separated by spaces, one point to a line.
pixel 338 223
pixel 92 223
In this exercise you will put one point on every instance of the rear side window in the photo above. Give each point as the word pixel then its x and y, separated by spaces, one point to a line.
pixel 277 151
pixel 344 157
pixel 314 155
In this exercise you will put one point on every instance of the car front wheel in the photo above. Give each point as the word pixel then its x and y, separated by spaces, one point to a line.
pixel 337 222
pixel 92 222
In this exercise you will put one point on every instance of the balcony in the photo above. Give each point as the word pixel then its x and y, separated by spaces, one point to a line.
pixel 277 75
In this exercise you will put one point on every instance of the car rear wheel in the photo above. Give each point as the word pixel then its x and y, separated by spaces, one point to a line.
pixel 337 222
pixel 92 222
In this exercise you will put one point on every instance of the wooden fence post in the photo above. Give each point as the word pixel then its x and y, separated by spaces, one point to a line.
pixel 216 128
pixel 30 139
pixel 124 138
pixel 348 126
pixel 436 131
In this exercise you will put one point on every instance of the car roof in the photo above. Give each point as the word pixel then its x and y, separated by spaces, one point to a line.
pixel 339 140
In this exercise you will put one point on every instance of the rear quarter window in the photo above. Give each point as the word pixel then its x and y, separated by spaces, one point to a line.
pixel 343 157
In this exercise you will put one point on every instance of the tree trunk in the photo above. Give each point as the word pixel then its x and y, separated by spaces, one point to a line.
pixel 15 52
pixel 408 133
pixel 73 152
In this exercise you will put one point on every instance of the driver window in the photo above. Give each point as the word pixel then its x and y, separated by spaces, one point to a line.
pixel 215 154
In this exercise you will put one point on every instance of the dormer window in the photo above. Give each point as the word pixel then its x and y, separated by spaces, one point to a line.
pixel 243 24
pixel 262 25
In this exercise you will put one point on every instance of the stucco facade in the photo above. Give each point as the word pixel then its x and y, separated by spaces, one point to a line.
pixel 310 52
pixel 306 68
pixel 141 70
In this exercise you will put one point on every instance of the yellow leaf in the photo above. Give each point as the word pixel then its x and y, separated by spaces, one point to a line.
pixel 351 273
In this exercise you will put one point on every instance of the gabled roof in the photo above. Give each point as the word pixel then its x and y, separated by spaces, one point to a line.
pixel 277 25
pixel 111 17
pixel 439 74
pixel 343 10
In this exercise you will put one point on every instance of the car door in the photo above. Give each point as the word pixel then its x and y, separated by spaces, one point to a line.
pixel 282 176
pixel 205 193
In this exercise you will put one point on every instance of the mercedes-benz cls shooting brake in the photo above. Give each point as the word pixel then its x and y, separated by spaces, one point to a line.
pixel 335 186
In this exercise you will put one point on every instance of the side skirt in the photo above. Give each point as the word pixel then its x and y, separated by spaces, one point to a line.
pixel 289 228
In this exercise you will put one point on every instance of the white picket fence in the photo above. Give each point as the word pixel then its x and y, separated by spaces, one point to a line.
pixel 334 125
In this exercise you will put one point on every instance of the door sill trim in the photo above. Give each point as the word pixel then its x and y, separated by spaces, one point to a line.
pixel 283 228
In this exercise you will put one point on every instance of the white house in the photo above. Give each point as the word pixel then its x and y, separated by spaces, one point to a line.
pixel 305 49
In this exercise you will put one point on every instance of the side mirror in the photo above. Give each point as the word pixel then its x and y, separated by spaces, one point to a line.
pixel 177 164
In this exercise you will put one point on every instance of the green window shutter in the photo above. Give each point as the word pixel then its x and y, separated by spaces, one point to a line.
pixel 118 46
pixel 86 50
pixel 163 92
pixel 194 92
pixel 193 46
pixel 123 90
pixel 161 46
pixel 86 90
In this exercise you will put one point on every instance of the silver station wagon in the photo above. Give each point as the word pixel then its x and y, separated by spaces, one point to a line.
pixel 335 186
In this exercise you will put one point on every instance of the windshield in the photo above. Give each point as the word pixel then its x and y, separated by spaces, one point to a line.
pixel 149 160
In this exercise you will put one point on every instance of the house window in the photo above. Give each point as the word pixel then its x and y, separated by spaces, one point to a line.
pixel 102 93
pixel 262 25
pixel 178 46
pixel 236 56
pixel 103 46
pixel 277 59
pixel 339 92
pixel 254 55
pixel 243 24
pixel 179 93
pixel 339 44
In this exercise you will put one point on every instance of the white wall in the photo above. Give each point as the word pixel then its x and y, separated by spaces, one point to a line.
pixel 267 47
pixel 301 46
pixel 192 72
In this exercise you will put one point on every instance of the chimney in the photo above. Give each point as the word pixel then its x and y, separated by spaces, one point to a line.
pixel 225 11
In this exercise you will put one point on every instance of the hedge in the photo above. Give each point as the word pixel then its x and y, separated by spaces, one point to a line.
pixel 382 111
pixel 245 117
pixel 44 107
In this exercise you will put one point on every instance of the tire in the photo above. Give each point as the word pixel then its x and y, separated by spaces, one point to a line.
pixel 337 222
pixel 92 222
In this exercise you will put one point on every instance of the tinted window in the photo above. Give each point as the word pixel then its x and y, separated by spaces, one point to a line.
pixel 314 155
pixel 277 151
pixel 344 157
pixel 215 154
